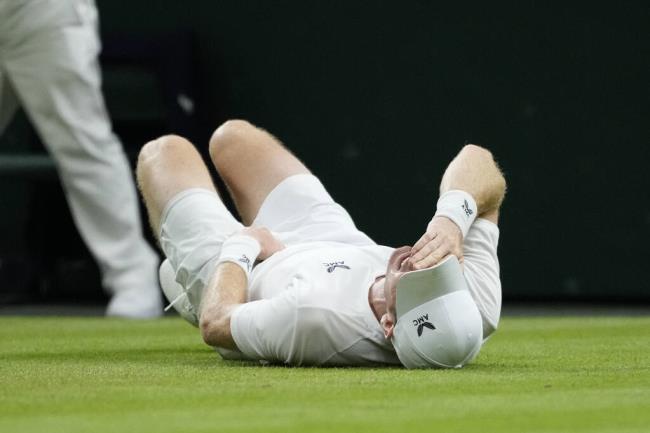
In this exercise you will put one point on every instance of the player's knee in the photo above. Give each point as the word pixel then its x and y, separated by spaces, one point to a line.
pixel 160 147
pixel 228 138
pixel 153 151
pixel 230 133
pixel 145 157
pixel 477 150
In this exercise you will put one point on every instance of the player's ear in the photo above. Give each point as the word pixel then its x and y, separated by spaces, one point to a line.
pixel 388 324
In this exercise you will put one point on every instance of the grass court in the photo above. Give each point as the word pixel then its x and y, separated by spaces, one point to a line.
pixel 541 374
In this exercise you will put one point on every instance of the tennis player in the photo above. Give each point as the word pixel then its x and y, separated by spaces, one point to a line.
pixel 296 282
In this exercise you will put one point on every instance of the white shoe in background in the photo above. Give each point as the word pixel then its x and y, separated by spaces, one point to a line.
pixel 136 296
pixel 136 303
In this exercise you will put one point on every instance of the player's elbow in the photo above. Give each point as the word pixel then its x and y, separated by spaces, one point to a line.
pixel 480 156
pixel 215 329
pixel 501 186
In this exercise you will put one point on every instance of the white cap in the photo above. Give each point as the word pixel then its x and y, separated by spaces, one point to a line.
pixel 438 323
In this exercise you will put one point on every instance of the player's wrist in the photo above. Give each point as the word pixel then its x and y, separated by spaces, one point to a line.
pixel 437 220
pixel 241 250
pixel 459 207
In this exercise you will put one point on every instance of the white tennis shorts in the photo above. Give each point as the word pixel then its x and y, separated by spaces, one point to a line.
pixel 195 223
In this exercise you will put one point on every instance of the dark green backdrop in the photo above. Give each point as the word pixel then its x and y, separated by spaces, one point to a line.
pixel 376 97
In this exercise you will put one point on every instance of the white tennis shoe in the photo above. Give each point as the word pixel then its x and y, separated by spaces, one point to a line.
pixel 177 295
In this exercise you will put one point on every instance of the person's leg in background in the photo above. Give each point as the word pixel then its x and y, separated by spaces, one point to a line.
pixel 55 73
pixel 8 101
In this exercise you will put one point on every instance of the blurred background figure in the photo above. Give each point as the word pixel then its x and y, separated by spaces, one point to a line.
pixel 49 66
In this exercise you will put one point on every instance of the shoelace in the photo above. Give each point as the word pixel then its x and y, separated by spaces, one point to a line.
pixel 172 303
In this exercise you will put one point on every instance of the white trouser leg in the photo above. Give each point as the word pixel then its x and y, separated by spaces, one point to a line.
pixel 55 73
pixel 8 101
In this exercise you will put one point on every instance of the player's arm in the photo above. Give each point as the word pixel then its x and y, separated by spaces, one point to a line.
pixel 228 287
pixel 226 291
pixel 473 172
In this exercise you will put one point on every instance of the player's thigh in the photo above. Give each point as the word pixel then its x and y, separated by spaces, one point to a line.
pixel 166 167
pixel 252 163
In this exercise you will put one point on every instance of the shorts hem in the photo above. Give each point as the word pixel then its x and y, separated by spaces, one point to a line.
pixel 177 199
pixel 271 197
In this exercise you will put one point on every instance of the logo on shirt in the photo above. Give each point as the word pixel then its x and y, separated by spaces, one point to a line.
pixel 245 260
pixel 331 266
pixel 423 322
pixel 467 209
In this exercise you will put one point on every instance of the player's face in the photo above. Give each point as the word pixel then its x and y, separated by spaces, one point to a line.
pixel 398 264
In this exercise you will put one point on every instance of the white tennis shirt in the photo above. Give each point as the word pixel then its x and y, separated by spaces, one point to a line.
pixel 308 304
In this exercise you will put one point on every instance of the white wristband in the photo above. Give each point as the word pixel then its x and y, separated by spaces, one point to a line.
pixel 459 207
pixel 241 250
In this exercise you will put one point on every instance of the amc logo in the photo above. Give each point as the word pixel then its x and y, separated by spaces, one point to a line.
pixel 423 322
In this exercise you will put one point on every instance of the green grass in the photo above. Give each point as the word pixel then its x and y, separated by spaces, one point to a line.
pixel 573 374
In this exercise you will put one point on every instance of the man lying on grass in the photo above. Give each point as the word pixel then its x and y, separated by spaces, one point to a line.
pixel 297 282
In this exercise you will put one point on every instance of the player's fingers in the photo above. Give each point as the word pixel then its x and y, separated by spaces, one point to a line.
pixel 400 255
pixel 428 261
pixel 436 254
pixel 427 249
pixel 421 243
pixel 424 263
pixel 458 252
pixel 425 239
pixel 422 253
pixel 407 265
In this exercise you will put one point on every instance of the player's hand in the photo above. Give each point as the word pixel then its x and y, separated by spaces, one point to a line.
pixel 269 244
pixel 398 265
pixel 442 238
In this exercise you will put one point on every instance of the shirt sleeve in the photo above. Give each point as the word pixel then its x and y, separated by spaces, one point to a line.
pixel 264 329
pixel 283 330
pixel 481 269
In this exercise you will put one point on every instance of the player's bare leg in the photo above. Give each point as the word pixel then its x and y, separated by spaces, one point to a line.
pixel 252 163
pixel 166 167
